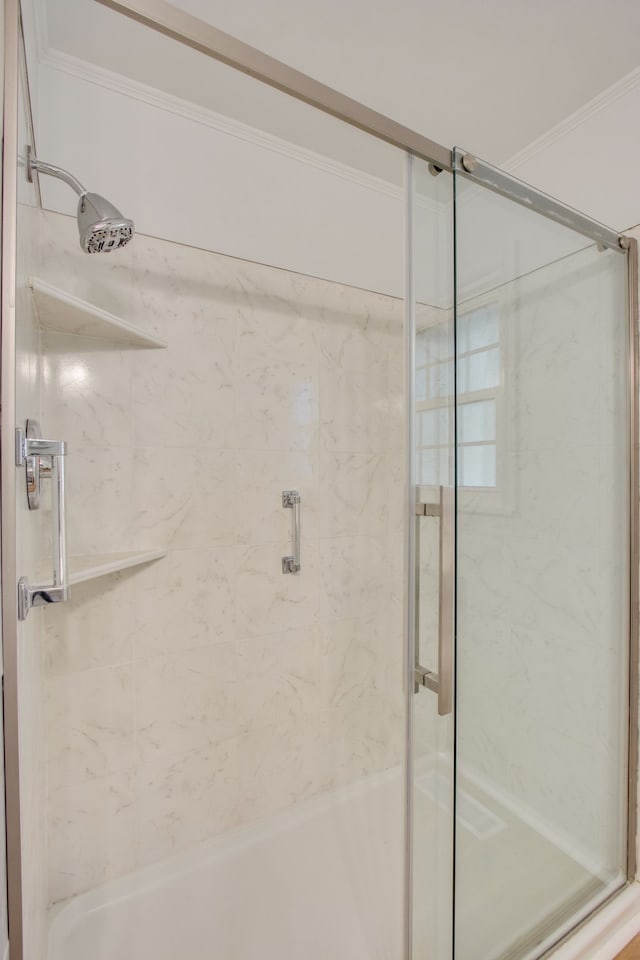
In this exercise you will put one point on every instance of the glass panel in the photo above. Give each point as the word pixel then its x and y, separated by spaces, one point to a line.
pixel 440 381
pixel 432 795
pixel 224 744
pixel 421 384
pixel 477 421
pixel 477 466
pixel 477 329
pixel 435 426
pixel 542 587
pixel 479 371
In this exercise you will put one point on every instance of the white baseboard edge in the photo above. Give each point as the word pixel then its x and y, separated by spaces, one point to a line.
pixel 5 955
pixel 607 932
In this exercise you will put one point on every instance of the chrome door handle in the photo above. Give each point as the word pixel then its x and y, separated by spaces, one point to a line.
pixel 442 681
pixel 291 500
pixel 44 459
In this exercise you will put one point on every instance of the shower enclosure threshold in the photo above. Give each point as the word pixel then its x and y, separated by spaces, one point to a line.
pixel 604 935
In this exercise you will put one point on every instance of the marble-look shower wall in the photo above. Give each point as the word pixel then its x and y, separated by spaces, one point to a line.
pixel 206 690
pixel 542 585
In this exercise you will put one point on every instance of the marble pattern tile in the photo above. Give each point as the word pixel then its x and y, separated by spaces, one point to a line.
pixel 207 690
pixel 187 702
pixel 273 330
pixel 277 408
pixel 279 677
pixel 354 409
pixel 184 396
pixel 91 833
pixel 184 497
pixel 354 577
pixel 89 725
pixel 185 601
pixel 266 600
pixel 99 504
pixel 86 391
pixel 356 657
pixel 280 765
pixel 185 800
pixel 355 339
pixel 355 490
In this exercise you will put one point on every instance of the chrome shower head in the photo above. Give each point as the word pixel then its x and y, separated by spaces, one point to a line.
pixel 101 226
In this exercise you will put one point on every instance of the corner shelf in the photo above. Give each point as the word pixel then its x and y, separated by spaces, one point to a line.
pixel 82 569
pixel 64 313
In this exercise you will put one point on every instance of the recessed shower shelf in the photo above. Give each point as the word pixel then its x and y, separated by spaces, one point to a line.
pixel 63 312
pixel 82 569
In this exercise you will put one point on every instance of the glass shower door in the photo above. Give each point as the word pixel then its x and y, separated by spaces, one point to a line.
pixel 542 457
pixel 431 558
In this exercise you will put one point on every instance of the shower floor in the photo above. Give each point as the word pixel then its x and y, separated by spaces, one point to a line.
pixel 514 887
pixel 325 881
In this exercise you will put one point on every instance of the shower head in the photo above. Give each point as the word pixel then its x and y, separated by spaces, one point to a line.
pixel 101 226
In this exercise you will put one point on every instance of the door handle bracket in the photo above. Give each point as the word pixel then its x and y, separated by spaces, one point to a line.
pixel 44 459
pixel 426 678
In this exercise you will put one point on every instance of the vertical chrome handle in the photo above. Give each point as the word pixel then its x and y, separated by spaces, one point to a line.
pixel 291 500
pixel 34 452
pixel 446 600
pixel 442 681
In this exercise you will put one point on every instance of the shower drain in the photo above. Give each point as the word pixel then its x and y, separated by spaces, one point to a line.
pixel 471 814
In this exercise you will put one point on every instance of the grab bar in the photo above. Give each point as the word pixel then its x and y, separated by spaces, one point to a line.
pixel 33 452
pixel 291 500
pixel 442 681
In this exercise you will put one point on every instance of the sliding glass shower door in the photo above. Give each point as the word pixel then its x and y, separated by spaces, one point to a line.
pixel 542 536
pixel 519 559
pixel 431 556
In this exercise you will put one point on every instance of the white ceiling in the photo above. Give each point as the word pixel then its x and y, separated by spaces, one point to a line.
pixel 490 75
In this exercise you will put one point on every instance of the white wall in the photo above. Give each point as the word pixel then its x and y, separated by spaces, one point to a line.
pixel 590 160
pixel 193 177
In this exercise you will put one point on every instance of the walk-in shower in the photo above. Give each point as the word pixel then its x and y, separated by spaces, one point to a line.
pixel 345 661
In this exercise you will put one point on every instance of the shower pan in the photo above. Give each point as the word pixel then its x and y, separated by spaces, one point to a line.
pixel 342 659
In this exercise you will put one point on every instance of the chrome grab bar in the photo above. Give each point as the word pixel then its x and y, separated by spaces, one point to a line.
pixel 442 681
pixel 33 452
pixel 291 500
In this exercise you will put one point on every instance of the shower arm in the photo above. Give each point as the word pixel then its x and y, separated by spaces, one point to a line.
pixel 51 171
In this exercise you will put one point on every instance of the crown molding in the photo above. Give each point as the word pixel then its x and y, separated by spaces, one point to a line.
pixel 615 92
pixel 160 100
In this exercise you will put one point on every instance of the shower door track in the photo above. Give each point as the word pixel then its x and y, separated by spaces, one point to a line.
pixel 207 39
